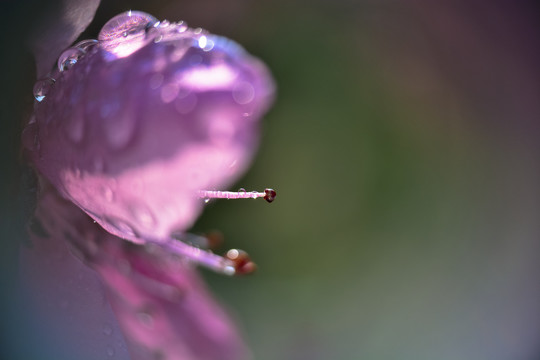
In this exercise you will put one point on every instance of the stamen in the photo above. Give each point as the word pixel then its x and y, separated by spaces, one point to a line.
pixel 242 261
pixel 268 194
pixel 201 257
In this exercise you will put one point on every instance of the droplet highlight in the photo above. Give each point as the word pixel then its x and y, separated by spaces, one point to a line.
pixel 241 262
pixel 127 24
pixel 86 45
pixel 126 33
pixel 42 88
pixel 69 58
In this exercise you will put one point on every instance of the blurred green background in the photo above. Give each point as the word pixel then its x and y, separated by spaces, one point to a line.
pixel 404 148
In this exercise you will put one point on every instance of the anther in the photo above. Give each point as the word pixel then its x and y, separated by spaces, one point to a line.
pixel 268 194
pixel 242 262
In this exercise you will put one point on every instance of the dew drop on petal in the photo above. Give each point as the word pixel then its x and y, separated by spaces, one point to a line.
pixel 126 24
pixel 243 93
pixel 143 215
pixel 107 329
pixel 181 26
pixel 185 104
pixel 74 129
pixel 146 319
pixel 69 58
pixel 118 123
pixel 108 194
pixel 110 350
pixel 42 88
pixel 126 33
pixel 86 45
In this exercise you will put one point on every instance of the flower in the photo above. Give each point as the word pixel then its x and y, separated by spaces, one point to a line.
pixel 130 133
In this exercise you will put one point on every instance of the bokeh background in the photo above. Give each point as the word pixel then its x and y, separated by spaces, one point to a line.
pixel 404 146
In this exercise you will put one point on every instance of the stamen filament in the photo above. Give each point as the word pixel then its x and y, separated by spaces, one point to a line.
pixel 268 194
pixel 204 258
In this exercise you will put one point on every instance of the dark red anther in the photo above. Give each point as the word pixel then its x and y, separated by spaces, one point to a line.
pixel 241 261
pixel 269 195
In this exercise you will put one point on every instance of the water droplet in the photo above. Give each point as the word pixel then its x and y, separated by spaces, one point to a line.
pixel 181 26
pixel 107 329
pixel 243 93
pixel 119 130
pixel 186 103
pixel 155 81
pixel 74 128
pixel 143 215
pixel 164 23
pixel 86 45
pixel 206 201
pixel 110 350
pixel 42 88
pixel 146 319
pixel 126 33
pixel 254 194
pixel 108 194
pixel 205 43
pixel 242 191
pixel 130 23
pixel 169 92
pixel 69 58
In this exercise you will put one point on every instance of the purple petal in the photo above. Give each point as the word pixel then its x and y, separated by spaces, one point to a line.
pixel 161 305
pixel 141 123
pixel 67 300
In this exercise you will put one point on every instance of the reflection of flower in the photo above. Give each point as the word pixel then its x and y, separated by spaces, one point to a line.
pixel 130 129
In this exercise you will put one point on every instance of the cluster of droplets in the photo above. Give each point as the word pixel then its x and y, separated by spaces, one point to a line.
pixel 67 59
pixel 120 37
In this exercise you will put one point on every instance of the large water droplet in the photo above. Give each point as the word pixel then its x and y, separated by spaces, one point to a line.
pixel 128 32
pixel 69 58
pixel 125 25
pixel 42 88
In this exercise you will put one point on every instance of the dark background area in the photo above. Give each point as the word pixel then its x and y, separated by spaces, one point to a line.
pixel 404 146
